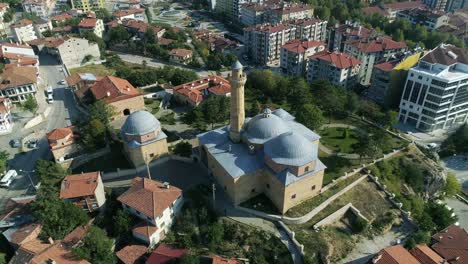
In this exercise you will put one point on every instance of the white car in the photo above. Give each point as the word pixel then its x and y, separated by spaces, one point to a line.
pixel 49 90
pixel 50 98
pixel 8 178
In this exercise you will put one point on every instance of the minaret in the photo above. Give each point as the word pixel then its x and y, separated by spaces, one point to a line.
pixel 237 114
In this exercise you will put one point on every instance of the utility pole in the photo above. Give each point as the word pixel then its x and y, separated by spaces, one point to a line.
pixel 213 188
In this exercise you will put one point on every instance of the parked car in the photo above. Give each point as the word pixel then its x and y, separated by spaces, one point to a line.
pixel 63 82
pixel 32 144
pixel 15 143
pixel 8 178
pixel 50 98
pixel 49 90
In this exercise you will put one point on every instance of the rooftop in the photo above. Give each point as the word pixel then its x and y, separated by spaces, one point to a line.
pixel 181 52
pixel 145 230
pixel 123 13
pixel 79 185
pixel 426 255
pixel 220 260
pixel 374 45
pixel 446 54
pixel 88 23
pixel 298 46
pixel 395 255
pixel 149 197
pixel 23 22
pixel 194 90
pixel 339 60
pixel 112 89
pixel 16 76
pixel 452 244
pixel 165 254
pixel 130 254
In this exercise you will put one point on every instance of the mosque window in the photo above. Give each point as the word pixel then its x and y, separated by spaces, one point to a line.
pixel 293 196
pixel 313 187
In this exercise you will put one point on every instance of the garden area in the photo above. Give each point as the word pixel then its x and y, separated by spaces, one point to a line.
pixel 202 231
pixel 110 162
pixel 96 69
pixel 339 139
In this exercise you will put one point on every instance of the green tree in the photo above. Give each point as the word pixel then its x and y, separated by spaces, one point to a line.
pixel 189 259
pixel 101 111
pixel 183 149
pixel 215 110
pixel 4 156
pixel 104 14
pixel 93 134
pixel 118 34
pixel 310 116
pixel 229 59
pixel 367 147
pixel 121 221
pixel 440 215
pixel 3 258
pixel 96 247
pixel 215 235
pixel 30 104
pixel 451 187
pixel 50 173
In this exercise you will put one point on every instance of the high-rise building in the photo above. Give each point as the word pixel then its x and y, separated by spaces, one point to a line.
pixel 294 55
pixel 436 90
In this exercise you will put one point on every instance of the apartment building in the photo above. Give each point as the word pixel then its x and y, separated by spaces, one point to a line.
pixel 339 68
pixel 85 190
pixel 370 51
pixel 290 11
pixel 274 12
pixel 6 121
pixel 264 41
pixel 154 202
pixel 455 5
pixel 457 25
pixel 390 10
pixel 88 5
pixel 437 5
pixel 42 8
pixel 294 55
pixel 42 25
pixel 18 83
pixel 310 29
pixel 94 25
pixel 253 14
pixel 430 19
pixel 436 90
pixel 338 34
pixel 23 31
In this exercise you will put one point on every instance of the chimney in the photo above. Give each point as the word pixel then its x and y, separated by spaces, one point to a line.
pixel 108 94
pixel 51 261
pixel 166 185
pixel 50 240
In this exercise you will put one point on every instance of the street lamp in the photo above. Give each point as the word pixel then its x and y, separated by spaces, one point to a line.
pixel 147 166
pixel 29 176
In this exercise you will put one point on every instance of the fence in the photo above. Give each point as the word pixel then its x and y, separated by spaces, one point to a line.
pixel 338 214
pixel 82 159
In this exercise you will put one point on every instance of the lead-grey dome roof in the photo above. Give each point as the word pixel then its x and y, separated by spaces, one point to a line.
pixel 263 127
pixel 140 123
pixel 291 148
pixel 236 65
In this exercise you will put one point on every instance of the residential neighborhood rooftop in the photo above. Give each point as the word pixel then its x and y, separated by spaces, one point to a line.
pixel 79 185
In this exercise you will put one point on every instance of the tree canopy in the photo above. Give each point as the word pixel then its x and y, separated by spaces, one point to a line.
pixel 4 156
pixel 96 247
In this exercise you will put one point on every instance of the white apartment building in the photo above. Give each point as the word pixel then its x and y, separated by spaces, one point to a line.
pixel 253 14
pixel 339 68
pixel 42 25
pixel 94 25
pixel 42 8
pixel 436 90
pixel 370 51
pixel 154 202
pixel 294 55
pixel 23 31
pixel 310 29
pixel 18 83
pixel 290 11
pixel 264 42
pixel 6 122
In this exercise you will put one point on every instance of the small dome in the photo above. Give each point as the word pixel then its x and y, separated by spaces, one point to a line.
pixel 291 148
pixel 140 123
pixel 237 65
pixel 263 127
pixel 283 114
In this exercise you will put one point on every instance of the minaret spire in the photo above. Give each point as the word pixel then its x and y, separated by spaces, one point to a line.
pixel 237 113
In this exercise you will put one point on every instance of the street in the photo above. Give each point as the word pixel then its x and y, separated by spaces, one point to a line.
pixel 63 109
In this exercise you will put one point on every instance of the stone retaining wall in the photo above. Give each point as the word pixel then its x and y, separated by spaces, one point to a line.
pixel 339 214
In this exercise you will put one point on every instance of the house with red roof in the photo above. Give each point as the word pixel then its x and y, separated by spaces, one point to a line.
pixel 166 254
pixel 372 50
pixel 340 69
pixel 390 10
pixel 132 254
pixel 85 190
pixel 94 25
pixel 193 93
pixel 134 13
pixel 452 244
pixel 221 260
pixel 156 203
pixel 62 143
pixel 182 56
pixel 294 55
pixel 118 93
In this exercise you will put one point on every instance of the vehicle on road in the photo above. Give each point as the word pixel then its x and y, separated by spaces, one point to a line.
pixel 50 98
pixel 15 143
pixel 8 178
pixel 49 90
pixel 63 82
pixel 32 144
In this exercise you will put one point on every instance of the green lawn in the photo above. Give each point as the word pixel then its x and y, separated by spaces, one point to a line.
pixel 337 166
pixel 96 69
pixel 339 139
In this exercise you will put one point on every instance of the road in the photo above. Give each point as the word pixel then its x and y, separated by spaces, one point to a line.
pixel 63 109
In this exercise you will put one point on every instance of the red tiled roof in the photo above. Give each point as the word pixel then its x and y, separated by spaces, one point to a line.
pixel 452 244
pixel 113 89
pixel 376 45
pixel 165 41
pixel 149 197
pixel 123 13
pixel 395 255
pixel 339 60
pixel 25 234
pixel 60 133
pixel 164 254
pixel 181 52
pixel 298 46
pixel 353 30
pixel 88 22
pixel 145 230
pixel 426 255
pixel 130 254
pixel 374 10
pixel 49 42
pixel 23 22
pixel 79 185
pixel 291 8
pixel 387 66
pixel 305 22
pixel 220 260
pixel 61 17
pixel 441 55
pixel 12 77
pixel 193 90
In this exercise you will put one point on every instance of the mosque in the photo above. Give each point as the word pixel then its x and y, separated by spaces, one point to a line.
pixel 269 153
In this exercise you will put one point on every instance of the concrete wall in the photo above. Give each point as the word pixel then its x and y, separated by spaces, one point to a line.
pixel 73 51
pixel 133 104
pixel 339 214
pixel 146 153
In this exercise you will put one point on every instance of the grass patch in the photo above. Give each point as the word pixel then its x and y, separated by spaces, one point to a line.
pixel 309 205
pixel 337 166
pixel 168 119
pixel 339 139
pixel 261 203
pixel 96 69
pixel 107 163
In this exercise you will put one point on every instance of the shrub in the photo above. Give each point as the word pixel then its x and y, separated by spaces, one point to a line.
pixel 183 149
pixel 360 224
